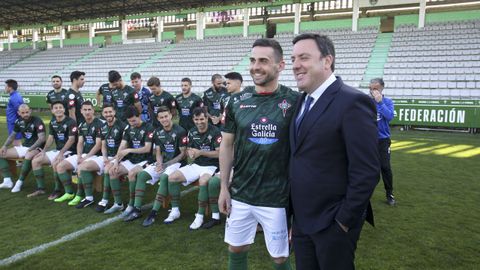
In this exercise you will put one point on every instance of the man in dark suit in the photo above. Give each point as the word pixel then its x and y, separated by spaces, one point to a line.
pixel 334 163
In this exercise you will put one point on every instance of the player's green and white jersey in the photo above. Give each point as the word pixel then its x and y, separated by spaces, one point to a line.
pixel 29 129
pixel 75 100
pixel 170 141
pixel 185 106
pixel 122 98
pixel 260 124
pixel 106 93
pixel 62 130
pixel 112 135
pixel 155 102
pixel 61 96
pixel 213 100
pixel 208 141
pixel 90 132
pixel 137 137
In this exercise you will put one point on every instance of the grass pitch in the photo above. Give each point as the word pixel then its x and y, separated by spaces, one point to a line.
pixel 433 226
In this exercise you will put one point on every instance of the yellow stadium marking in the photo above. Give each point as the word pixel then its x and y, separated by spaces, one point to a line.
pixel 407 146
pixel 467 153
pixel 452 149
pixel 428 149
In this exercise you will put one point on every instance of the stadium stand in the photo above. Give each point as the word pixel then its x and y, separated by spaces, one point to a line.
pixel 441 61
pixel 8 58
pixel 351 61
pixel 199 60
pixel 36 70
pixel 123 58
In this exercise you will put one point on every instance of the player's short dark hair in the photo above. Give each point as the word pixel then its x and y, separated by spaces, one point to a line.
pixel 57 102
pixel 135 75
pixel 187 80
pixel 234 76
pixel 324 45
pixel 76 75
pixel 114 76
pixel 12 83
pixel 198 111
pixel 378 80
pixel 87 103
pixel 163 109
pixel 108 105
pixel 272 43
pixel 153 81
pixel 56 76
pixel 131 111
pixel 216 77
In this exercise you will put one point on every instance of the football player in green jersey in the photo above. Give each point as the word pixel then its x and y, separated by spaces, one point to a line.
pixel 186 102
pixel 88 148
pixel 58 93
pixel 159 98
pixel 132 155
pixel 112 133
pixel 212 98
pixel 203 148
pixel 257 130
pixel 62 131
pixel 104 93
pixel 123 95
pixel 170 143
pixel 234 85
pixel 33 131
pixel 75 98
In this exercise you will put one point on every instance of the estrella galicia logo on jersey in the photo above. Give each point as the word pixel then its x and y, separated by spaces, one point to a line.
pixel 284 106
pixel 263 132
pixel 28 135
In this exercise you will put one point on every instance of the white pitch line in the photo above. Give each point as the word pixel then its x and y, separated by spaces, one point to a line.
pixel 71 236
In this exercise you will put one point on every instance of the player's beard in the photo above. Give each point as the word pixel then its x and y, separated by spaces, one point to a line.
pixel 269 77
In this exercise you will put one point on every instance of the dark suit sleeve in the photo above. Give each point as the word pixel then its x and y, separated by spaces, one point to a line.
pixel 359 130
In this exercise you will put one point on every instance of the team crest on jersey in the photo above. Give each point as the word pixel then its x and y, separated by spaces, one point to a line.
pixel 161 100
pixel 174 135
pixel 142 132
pixel 209 137
pixel 64 126
pixel 191 102
pixel 284 106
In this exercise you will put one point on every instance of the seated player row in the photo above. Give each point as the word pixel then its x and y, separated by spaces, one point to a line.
pixel 114 149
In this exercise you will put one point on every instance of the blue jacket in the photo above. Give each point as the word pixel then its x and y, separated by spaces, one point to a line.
pixel 385 114
pixel 12 107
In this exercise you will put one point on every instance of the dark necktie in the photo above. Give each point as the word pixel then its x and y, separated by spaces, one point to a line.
pixel 299 120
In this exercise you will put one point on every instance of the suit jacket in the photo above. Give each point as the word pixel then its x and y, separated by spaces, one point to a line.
pixel 334 163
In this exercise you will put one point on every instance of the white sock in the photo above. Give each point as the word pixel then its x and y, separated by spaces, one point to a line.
pixel 175 209
pixel 216 216
pixel 90 198
pixel 103 202
pixel 21 181
pixel 7 179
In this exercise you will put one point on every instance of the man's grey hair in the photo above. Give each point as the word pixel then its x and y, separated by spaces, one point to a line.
pixel 378 80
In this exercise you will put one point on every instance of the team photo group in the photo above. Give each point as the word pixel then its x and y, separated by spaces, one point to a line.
pixel 298 164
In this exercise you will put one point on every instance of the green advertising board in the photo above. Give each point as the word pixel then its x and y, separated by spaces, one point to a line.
pixel 437 113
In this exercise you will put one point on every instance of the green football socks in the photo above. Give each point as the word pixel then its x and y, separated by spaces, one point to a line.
pixel 213 193
pixel 66 179
pixel 39 177
pixel 5 169
pixel 26 168
pixel 142 178
pixel 174 190
pixel 237 261
pixel 202 199
pixel 162 192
